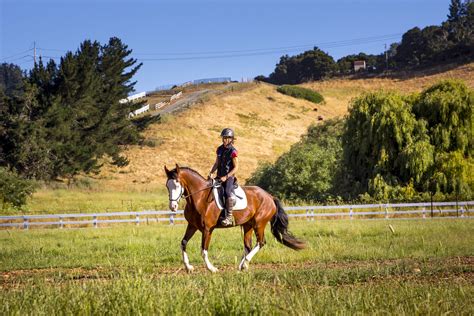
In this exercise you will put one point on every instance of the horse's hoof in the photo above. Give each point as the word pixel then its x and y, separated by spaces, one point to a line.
pixel 244 266
pixel 189 268
pixel 213 269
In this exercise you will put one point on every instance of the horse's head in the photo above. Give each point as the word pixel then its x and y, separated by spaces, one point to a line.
pixel 175 188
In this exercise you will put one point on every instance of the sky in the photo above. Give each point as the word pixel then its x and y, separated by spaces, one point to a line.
pixel 179 40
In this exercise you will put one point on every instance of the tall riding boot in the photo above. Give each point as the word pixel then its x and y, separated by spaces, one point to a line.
pixel 229 218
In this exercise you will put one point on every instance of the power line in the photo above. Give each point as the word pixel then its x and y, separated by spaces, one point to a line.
pixel 235 53
pixel 269 52
pixel 348 41
pixel 271 49
pixel 26 51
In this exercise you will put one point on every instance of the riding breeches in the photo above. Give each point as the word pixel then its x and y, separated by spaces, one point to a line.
pixel 228 186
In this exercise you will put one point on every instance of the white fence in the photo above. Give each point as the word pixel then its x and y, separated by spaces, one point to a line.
pixel 141 110
pixel 309 213
pixel 133 97
pixel 176 96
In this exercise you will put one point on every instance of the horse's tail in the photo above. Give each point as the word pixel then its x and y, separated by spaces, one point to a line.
pixel 280 229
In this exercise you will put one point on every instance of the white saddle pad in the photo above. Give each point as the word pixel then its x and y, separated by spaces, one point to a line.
pixel 240 199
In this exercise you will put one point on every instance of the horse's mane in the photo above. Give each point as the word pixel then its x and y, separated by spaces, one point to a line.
pixel 192 171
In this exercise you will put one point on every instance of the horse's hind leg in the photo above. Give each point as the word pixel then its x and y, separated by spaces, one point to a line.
pixel 259 232
pixel 248 231
pixel 190 230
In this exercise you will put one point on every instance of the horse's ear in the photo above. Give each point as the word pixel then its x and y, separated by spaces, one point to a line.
pixel 167 171
pixel 177 168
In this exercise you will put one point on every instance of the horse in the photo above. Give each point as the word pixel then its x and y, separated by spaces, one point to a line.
pixel 202 214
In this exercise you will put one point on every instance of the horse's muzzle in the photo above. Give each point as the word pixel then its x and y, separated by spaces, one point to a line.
pixel 173 206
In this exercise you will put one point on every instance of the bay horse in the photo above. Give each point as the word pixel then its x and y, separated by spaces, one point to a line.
pixel 202 214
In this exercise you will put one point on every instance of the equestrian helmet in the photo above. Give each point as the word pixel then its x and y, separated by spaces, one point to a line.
pixel 227 132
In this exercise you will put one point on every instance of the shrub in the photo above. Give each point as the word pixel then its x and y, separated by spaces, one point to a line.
pixel 301 93
pixel 307 171
pixel 13 189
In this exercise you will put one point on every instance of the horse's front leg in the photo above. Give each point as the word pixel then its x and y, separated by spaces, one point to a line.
pixel 190 230
pixel 206 239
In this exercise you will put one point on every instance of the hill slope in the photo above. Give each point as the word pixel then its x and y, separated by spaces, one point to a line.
pixel 266 122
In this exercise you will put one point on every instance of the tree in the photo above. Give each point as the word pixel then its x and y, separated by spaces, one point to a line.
pixel 409 52
pixel 11 80
pixel 310 65
pixel 447 107
pixel 383 139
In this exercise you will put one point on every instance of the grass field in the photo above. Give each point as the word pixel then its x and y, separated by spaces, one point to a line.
pixel 422 267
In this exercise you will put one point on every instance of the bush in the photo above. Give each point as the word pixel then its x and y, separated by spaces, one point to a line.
pixel 13 189
pixel 308 170
pixel 301 93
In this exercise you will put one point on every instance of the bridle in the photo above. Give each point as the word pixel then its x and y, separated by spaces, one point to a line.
pixel 214 183
pixel 179 196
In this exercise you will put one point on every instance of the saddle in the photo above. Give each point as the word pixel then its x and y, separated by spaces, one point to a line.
pixel 240 197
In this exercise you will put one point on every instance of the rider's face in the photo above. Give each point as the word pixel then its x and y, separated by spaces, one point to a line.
pixel 226 140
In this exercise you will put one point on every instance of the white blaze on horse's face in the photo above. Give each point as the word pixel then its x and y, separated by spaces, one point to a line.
pixel 175 191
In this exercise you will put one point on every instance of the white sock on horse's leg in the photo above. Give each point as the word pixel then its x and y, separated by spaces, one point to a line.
pixel 246 260
pixel 209 265
pixel 188 266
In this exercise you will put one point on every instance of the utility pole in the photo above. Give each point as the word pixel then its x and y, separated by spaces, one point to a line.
pixel 34 52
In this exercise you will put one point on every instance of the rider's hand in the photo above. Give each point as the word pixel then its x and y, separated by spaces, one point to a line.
pixel 223 179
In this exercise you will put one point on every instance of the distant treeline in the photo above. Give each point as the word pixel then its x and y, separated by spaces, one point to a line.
pixel 452 41
pixel 60 120
pixel 389 148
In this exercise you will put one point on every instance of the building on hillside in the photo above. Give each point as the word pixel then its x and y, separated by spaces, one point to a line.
pixel 212 80
pixel 359 64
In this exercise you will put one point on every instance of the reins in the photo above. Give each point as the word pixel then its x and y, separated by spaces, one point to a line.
pixel 212 185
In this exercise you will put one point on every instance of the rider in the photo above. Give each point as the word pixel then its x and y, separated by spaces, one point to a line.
pixel 227 165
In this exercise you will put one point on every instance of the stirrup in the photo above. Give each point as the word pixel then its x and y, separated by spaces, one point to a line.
pixel 228 221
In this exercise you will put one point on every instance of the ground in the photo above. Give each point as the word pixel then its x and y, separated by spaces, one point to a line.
pixel 359 266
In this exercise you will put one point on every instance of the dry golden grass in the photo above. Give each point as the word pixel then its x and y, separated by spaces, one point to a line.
pixel 266 122
pixel 339 92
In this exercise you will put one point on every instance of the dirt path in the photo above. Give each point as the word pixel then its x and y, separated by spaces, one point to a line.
pixel 447 267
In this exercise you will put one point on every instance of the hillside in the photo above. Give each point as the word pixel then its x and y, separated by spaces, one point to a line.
pixel 266 122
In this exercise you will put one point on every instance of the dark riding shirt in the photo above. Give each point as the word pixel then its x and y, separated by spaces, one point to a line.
pixel 225 156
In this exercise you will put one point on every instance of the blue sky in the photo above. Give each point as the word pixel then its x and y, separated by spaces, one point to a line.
pixel 202 39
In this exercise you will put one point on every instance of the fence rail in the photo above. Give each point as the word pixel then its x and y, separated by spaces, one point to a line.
pixel 310 212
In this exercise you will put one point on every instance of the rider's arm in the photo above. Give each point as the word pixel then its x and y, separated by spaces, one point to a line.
pixel 214 167
pixel 235 161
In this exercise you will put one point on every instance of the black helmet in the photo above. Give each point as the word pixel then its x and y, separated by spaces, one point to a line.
pixel 227 132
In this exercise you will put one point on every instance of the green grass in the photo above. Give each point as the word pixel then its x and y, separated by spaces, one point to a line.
pixel 348 267
pixel 301 93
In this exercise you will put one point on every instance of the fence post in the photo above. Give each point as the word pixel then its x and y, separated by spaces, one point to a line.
pixel 386 211
pixel 424 213
pixel 307 215
pixel 137 219
pixel 312 215
pixel 171 219
pixel 462 211
pixel 61 223
pixel 350 212
pixel 94 219
pixel 25 222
